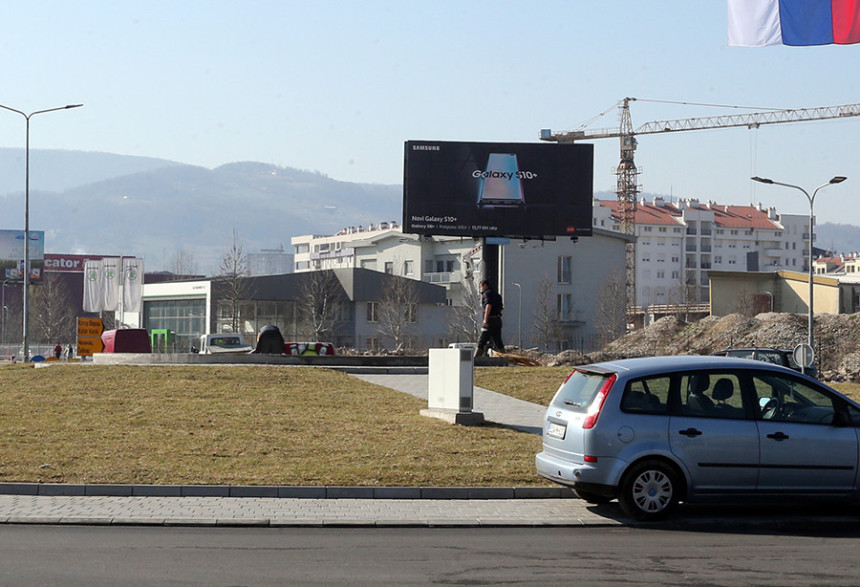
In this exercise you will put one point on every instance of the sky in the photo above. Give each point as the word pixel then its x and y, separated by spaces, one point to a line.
pixel 338 87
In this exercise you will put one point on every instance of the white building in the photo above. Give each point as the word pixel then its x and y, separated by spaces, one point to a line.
pixel 678 243
pixel 563 280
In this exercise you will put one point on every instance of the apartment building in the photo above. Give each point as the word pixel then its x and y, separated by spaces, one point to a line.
pixel 561 281
pixel 678 243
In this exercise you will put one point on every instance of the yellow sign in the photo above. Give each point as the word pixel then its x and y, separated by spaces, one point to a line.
pixel 87 345
pixel 89 336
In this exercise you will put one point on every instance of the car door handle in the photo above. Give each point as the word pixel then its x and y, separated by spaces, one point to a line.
pixel 691 432
pixel 778 436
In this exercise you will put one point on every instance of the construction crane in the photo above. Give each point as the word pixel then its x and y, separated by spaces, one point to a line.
pixel 627 186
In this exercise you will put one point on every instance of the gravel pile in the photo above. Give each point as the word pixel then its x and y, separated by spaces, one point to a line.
pixel 837 340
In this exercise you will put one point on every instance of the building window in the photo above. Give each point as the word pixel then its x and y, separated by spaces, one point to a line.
pixel 564 265
pixel 565 306
pixel 373 311
pixel 389 267
pixel 302 248
pixel 409 268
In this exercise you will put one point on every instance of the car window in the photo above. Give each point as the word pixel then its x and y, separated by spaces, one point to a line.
pixel 770 357
pixel 740 354
pixel 579 389
pixel 782 398
pixel 712 395
pixel 649 395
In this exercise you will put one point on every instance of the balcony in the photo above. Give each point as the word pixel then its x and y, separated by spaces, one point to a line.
pixel 445 277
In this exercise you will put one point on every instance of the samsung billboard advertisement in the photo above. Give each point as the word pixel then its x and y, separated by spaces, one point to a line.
pixel 515 190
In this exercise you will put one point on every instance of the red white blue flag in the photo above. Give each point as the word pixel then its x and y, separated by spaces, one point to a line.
pixel 758 23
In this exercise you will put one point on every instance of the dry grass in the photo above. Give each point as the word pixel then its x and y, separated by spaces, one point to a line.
pixel 252 425
pixel 532 384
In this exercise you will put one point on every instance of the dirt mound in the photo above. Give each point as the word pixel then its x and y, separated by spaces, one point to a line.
pixel 837 340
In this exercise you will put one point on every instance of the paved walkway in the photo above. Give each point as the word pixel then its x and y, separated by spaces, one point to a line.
pixel 245 511
pixel 496 407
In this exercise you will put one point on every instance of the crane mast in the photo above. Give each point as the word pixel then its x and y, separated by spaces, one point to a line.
pixel 627 185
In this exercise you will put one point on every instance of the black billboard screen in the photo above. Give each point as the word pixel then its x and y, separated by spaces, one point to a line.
pixel 516 190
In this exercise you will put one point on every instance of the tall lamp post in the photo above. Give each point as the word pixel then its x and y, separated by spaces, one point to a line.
pixel 3 312
pixel 519 317
pixel 26 290
pixel 837 179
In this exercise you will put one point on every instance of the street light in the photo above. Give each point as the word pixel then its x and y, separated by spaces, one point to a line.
pixel 837 179
pixel 26 292
pixel 520 317
pixel 4 311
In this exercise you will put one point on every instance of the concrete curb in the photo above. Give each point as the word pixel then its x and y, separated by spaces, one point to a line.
pixel 286 492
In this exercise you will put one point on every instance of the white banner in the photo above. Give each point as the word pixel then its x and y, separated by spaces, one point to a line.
pixel 111 278
pixel 93 292
pixel 132 284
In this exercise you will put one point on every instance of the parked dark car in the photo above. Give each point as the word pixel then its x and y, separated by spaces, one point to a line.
pixel 784 357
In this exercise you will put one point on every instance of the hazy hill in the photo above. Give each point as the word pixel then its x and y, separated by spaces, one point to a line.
pixel 153 208
pixel 101 203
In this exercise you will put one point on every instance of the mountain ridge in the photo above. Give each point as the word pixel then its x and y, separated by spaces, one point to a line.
pixel 103 203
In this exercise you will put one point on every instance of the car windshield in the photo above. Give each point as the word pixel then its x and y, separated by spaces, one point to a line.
pixel 579 389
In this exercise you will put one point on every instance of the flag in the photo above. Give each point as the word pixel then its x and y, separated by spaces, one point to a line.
pixel 758 23
pixel 132 284
pixel 93 293
pixel 111 278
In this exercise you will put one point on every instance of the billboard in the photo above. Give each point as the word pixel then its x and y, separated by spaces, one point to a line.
pixel 516 190
pixel 12 254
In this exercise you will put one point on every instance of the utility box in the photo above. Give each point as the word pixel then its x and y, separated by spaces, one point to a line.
pixel 451 386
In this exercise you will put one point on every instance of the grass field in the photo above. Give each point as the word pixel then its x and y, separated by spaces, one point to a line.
pixel 252 425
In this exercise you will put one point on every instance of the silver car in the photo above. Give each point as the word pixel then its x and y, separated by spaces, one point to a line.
pixel 652 432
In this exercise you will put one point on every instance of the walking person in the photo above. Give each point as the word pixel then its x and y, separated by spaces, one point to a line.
pixel 491 331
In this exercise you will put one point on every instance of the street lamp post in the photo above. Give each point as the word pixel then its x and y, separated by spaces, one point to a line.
pixel 4 311
pixel 837 179
pixel 26 290
pixel 519 317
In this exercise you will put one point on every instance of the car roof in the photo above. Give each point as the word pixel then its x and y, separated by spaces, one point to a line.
pixel 755 348
pixel 647 365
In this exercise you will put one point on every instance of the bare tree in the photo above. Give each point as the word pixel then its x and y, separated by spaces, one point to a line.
pixel 611 308
pixel 52 313
pixel 465 324
pixel 686 296
pixel 398 311
pixel 321 305
pixel 237 284
pixel 546 315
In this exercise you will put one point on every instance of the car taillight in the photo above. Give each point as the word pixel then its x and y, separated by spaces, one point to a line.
pixel 597 404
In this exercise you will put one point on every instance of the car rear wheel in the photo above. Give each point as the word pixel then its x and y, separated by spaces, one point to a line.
pixel 649 491
pixel 590 497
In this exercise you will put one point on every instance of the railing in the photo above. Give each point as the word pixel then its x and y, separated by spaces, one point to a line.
pixel 445 277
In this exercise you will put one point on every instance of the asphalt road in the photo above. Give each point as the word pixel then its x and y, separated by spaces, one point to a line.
pixel 93 556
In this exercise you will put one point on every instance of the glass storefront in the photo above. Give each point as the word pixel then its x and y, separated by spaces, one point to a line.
pixel 186 319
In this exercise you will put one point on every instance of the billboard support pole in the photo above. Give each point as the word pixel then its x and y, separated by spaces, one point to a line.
pixel 490 263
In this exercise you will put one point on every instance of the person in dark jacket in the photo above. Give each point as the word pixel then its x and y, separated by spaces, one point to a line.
pixel 270 341
pixel 491 330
